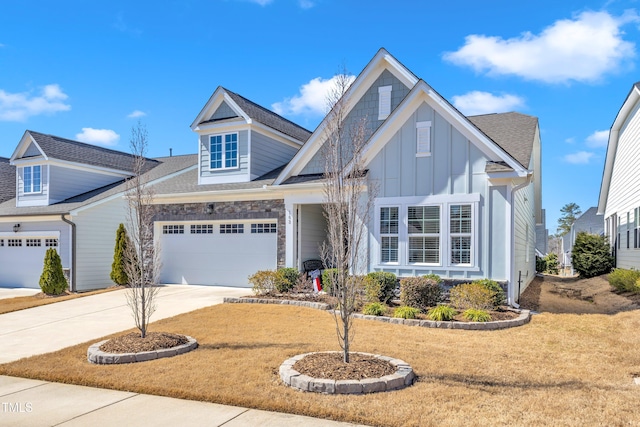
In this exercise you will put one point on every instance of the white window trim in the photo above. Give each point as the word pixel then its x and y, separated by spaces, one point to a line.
pixel 384 102
pixel 224 152
pixel 425 129
pixel 24 187
pixel 445 235
pixel 379 251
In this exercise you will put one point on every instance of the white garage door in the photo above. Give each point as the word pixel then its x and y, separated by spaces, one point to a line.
pixel 216 253
pixel 22 259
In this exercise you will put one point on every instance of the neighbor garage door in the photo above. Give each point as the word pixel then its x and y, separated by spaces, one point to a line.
pixel 216 253
pixel 22 259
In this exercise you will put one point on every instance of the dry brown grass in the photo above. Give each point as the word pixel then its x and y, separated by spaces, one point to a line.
pixel 7 305
pixel 560 369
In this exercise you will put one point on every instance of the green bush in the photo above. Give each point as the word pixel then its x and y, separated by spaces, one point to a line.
pixel 264 282
pixel 625 280
pixel 494 287
pixel 591 255
pixel 379 286
pixel 420 292
pixel 118 274
pixel 434 277
pixel 471 295
pixel 328 276
pixel 547 264
pixel 441 313
pixel 373 309
pixel 405 312
pixel 52 280
pixel 476 315
pixel 287 279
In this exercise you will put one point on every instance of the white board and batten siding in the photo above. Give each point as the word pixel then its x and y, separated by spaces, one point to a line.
pixel 624 189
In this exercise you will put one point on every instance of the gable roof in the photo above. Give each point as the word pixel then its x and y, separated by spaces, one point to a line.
pixel 250 111
pixel 7 180
pixel 55 147
pixel 514 132
pixel 627 107
pixel 164 168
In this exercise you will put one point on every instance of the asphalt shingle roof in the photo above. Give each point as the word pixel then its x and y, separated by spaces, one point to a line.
pixel 513 132
pixel 7 180
pixel 162 166
pixel 79 152
pixel 269 118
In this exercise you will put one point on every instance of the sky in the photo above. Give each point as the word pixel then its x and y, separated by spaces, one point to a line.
pixel 90 71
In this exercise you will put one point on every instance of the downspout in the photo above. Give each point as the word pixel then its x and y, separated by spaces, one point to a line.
pixel 73 251
pixel 511 299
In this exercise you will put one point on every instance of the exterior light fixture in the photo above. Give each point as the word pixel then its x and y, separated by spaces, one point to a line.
pixel 16 227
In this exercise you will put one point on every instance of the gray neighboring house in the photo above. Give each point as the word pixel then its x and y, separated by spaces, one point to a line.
pixel 589 222
pixel 69 195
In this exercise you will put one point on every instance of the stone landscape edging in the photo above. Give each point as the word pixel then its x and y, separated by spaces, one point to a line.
pixel 99 357
pixel 522 319
pixel 403 377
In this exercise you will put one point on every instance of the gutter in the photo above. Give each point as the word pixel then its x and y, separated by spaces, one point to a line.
pixel 511 300
pixel 73 251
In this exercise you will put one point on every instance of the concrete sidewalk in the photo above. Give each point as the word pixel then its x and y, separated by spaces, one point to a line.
pixel 55 326
pixel 32 403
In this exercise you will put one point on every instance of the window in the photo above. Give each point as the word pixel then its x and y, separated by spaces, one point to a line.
pixel 34 243
pixel 173 229
pixel 231 228
pixel 263 228
pixel 423 139
pixel 1 242
pixel 384 102
pixel 32 179
pixel 424 234
pixel 389 234
pixel 51 243
pixel 224 151
pixel 460 231
pixel 14 242
pixel 635 227
pixel 628 229
pixel 201 228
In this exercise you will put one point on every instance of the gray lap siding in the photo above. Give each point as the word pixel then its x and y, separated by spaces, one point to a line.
pixel 244 210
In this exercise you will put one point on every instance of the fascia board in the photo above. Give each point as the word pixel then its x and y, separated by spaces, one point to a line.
pixel 261 193
pixel 214 96
pixel 31 217
pixel 273 133
pixel 22 146
pixel 76 166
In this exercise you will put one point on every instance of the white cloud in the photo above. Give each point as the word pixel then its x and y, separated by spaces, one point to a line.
pixel 136 113
pixel 581 157
pixel 261 2
pixel 477 102
pixel 581 49
pixel 570 140
pixel 598 139
pixel 98 136
pixel 18 107
pixel 306 4
pixel 311 100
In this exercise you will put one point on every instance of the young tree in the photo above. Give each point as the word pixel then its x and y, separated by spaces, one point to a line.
pixel 347 202
pixel 52 280
pixel 118 273
pixel 142 265
pixel 570 212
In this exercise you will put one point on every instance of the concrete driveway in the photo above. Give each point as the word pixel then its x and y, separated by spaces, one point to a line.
pixel 55 326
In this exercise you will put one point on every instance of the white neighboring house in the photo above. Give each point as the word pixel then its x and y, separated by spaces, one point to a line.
pixel 589 222
pixel 619 200
pixel 67 195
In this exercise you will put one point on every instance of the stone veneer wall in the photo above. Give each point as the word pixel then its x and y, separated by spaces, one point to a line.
pixel 254 209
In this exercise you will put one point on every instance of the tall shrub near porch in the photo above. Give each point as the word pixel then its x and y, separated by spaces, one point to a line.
pixel 118 269
pixel 52 280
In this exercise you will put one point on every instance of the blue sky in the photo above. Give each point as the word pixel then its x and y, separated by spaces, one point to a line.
pixel 89 70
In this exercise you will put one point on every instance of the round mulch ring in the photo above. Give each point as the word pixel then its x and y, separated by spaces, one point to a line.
pixel 132 348
pixel 325 372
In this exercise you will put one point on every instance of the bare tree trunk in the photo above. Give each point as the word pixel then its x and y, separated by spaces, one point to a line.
pixel 347 204
pixel 142 256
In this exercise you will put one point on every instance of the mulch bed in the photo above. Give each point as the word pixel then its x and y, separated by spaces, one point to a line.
pixel 331 366
pixel 133 343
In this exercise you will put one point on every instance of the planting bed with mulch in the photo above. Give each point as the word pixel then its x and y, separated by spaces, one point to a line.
pixel 331 366
pixel 134 343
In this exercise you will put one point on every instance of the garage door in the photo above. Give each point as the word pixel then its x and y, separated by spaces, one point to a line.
pixel 22 259
pixel 216 253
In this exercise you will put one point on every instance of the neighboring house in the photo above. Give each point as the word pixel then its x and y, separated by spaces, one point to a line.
pixel 458 196
pixel 542 236
pixel 7 180
pixel 68 196
pixel 619 200
pixel 589 222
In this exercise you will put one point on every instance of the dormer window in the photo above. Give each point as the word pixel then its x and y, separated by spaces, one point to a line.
pixel 32 178
pixel 224 151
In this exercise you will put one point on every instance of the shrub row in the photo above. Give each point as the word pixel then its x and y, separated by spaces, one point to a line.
pixel 625 280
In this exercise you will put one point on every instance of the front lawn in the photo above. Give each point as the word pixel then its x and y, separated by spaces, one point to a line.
pixel 560 369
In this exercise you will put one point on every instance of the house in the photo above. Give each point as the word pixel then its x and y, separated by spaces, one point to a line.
pixel 619 200
pixel 67 195
pixel 474 180
pixel 542 236
pixel 589 222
